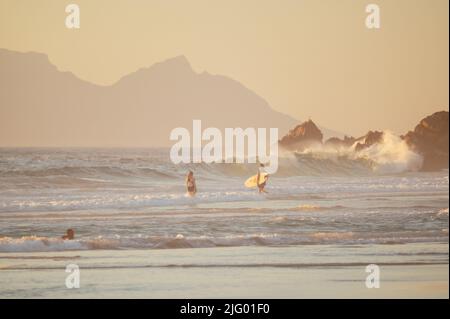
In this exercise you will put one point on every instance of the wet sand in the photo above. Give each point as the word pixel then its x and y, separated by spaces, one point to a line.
pixel 315 271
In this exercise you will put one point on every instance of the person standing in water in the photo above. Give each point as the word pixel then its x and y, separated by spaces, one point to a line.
pixel 262 185
pixel 190 184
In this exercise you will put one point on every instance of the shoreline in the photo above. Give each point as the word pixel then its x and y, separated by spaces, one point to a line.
pixel 319 271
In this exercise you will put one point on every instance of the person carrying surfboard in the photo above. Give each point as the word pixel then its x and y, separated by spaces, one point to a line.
pixel 259 180
pixel 190 184
pixel 262 185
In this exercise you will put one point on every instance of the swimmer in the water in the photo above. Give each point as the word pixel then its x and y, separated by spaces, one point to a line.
pixel 190 184
pixel 70 234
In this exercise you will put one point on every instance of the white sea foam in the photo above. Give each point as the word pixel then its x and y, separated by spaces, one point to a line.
pixel 124 199
pixel 47 244
pixel 392 155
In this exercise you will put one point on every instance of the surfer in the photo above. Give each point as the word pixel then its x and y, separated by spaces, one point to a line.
pixel 70 234
pixel 262 185
pixel 190 184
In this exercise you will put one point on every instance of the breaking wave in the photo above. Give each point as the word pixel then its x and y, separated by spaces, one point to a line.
pixel 391 156
pixel 48 244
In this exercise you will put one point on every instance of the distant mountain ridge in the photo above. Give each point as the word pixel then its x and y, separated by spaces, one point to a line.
pixel 42 106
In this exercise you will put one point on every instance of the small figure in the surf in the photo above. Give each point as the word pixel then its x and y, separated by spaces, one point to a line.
pixel 262 185
pixel 191 186
pixel 70 234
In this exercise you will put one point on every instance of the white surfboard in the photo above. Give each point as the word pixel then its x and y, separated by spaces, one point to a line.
pixel 251 181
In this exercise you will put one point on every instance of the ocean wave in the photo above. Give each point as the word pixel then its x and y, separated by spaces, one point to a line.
pixel 392 156
pixel 48 244
pixel 93 173
pixel 120 200
pixel 443 212
pixel 309 207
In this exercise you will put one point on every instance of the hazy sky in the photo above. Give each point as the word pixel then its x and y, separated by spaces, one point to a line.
pixel 307 58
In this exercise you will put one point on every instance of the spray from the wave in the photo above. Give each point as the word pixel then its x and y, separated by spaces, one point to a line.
pixel 390 156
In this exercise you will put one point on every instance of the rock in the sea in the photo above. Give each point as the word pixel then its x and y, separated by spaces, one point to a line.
pixel 372 137
pixel 336 142
pixel 302 136
pixel 430 139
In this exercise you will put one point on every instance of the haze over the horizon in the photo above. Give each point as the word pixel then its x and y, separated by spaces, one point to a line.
pixel 306 58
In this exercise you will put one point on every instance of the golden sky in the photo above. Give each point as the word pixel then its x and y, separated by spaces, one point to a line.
pixel 307 58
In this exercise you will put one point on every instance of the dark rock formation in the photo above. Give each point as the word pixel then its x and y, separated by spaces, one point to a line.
pixel 336 142
pixel 372 137
pixel 302 136
pixel 430 139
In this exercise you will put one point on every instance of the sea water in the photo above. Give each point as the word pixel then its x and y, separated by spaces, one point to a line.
pixel 125 204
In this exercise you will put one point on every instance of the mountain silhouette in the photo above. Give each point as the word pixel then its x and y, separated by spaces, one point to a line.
pixel 42 106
